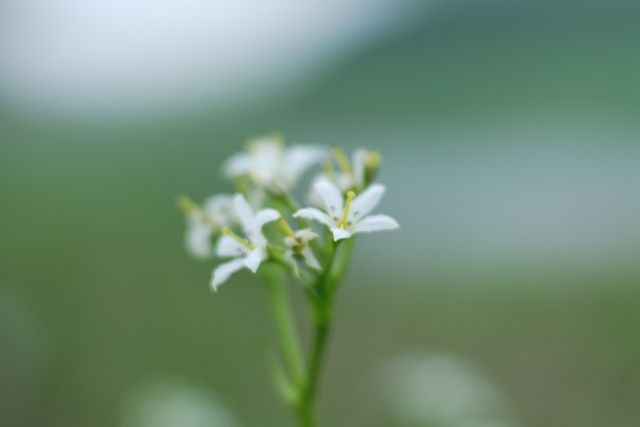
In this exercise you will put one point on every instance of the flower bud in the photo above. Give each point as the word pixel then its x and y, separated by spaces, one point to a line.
pixel 371 166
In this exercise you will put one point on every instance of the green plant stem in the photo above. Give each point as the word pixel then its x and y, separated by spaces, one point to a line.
pixel 284 320
pixel 320 292
pixel 306 409
pixel 321 305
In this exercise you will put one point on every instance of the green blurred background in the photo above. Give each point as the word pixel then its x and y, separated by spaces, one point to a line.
pixel 510 135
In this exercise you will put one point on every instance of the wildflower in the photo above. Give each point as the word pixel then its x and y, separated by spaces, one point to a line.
pixel 357 173
pixel 249 251
pixel 348 217
pixel 272 166
pixel 203 223
pixel 298 246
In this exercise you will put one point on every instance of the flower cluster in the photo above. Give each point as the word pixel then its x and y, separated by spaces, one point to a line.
pixel 253 225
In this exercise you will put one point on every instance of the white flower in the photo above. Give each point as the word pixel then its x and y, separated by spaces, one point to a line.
pixel 298 245
pixel 346 218
pixel 352 175
pixel 249 252
pixel 203 223
pixel 271 165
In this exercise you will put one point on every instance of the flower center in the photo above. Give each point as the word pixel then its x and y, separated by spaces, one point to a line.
pixel 238 239
pixel 343 223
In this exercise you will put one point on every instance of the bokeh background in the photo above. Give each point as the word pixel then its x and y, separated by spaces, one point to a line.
pixel 510 133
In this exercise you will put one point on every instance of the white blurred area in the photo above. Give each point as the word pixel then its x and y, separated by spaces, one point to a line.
pixel 175 403
pixel 133 56
pixel 443 390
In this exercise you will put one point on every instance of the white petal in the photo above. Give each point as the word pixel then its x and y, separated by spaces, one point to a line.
pixel 223 271
pixel 331 197
pixel 220 209
pixel 198 239
pixel 262 217
pixel 340 233
pixel 344 181
pixel 376 223
pixel 306 234
pixel 288 255
pixel 228 247
pixel 366 202
pixel 358 160
pixel 239 164
pixel 243 211
pixel 266 154
pixel 298 159
pixel 310 258
pixel 314 214
pixel 254 259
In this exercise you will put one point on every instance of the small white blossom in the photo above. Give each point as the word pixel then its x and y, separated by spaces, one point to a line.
pixel 203 223
pixel 298 244
pixel 354 176
pixel 248 253
pixel 346 218
pixel 271 165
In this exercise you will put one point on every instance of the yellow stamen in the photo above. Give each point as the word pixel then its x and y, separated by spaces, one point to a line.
pixel 342 159
pixel 286 228
pixel 347 206
pixel 237 238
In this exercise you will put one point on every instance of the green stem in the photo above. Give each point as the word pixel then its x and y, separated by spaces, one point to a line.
pixel 307 403
pixel 284 320
pixel 321 304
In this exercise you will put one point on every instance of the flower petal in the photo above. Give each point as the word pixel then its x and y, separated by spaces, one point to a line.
pixel 376 223
pixel 266 154
pixel 310 258
pixel 220 209
pixel 262 217
pixel 223 271
pixel 314 214
pixel 254 259
pixel 359 158
pixel 366 202
pixel 331 197
pixel 298 159
pixel 288 255
pixel 228 247
pixel 306 234
pixel 243 211
pixel 198 239
pixel 340 233
pixel 239 164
